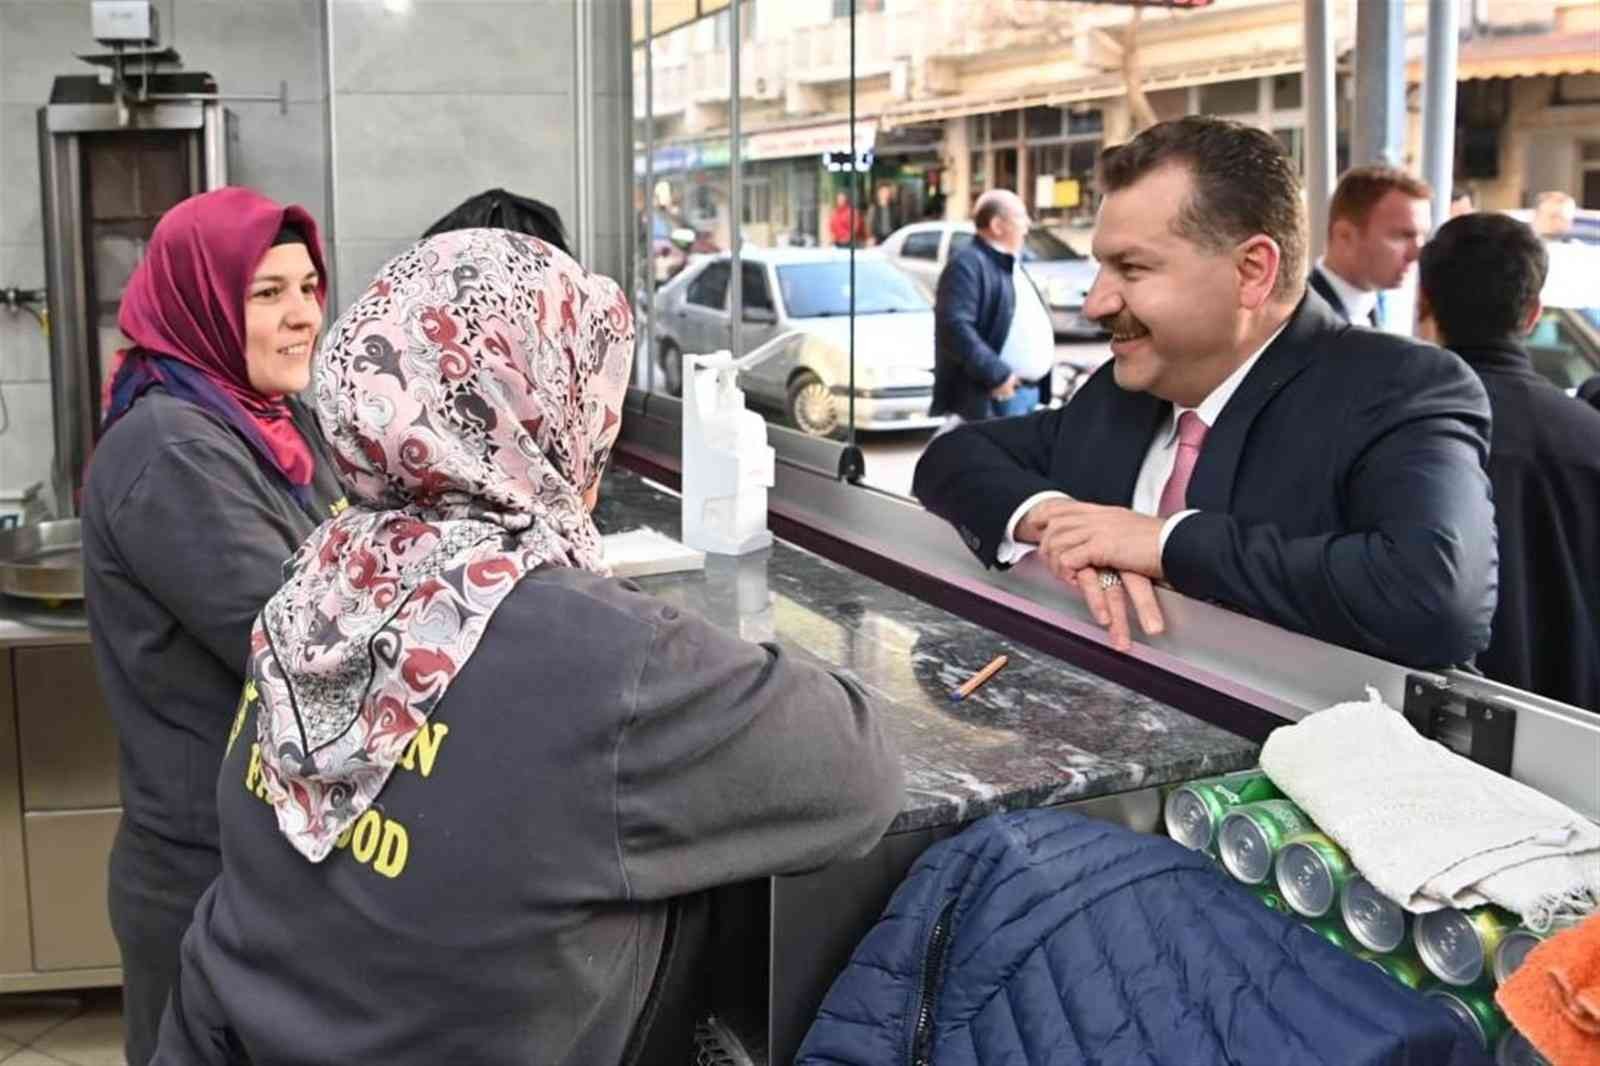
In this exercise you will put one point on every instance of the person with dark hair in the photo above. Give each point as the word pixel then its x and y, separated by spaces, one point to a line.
pixel 1462 201
pixel 1481 278
pixel 992 338
pixel 1377 220
pixel 206 479
pixel 1243 443
pixel 498 209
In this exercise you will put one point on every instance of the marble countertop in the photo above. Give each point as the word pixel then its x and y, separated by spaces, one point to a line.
pixel 1041 732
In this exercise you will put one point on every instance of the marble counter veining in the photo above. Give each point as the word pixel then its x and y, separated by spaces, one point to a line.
pixel 1040 732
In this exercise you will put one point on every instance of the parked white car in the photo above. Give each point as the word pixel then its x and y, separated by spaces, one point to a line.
pixel 797 308
pixel 1062 275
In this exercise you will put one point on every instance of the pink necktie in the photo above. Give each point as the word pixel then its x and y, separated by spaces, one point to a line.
pixel 1191 434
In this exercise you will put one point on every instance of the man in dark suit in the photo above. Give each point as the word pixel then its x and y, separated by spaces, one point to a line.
pixel 1589 392
pixel 1323 478
pixel 992 343
pixel 1377 221
pixel 1481 278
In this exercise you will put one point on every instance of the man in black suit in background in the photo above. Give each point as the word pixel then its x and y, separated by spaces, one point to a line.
pixel 1479 296
pixel 1377 221
pixel 1243 444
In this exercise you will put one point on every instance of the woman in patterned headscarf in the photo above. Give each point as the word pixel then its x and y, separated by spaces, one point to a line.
pixel 471 772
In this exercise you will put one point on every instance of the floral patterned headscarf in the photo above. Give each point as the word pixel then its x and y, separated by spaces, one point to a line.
pixel 470 397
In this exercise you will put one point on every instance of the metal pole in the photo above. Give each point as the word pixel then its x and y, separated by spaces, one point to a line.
pixel 1379 132
pixel 735 187
pixel 1317 92
pixel 855 174
pixel 650 197
pixel 1439 104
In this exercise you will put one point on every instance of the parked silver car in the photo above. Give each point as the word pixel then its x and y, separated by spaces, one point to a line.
pixel 1063 276
pixel 797 308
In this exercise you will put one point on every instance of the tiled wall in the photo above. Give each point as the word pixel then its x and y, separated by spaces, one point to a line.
pixel 432 100
pixel 249 46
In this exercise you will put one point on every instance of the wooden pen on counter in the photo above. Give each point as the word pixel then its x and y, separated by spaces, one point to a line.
pixel 979 679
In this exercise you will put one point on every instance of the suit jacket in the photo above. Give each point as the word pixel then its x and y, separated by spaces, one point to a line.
pixel 972 315
pixel 1341 492
pixel 1544 464
pixel 1319 281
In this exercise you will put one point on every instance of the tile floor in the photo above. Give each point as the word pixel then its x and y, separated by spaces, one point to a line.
pixel 62 1028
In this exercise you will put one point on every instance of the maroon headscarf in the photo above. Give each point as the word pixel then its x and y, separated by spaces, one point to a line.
pixel 184 305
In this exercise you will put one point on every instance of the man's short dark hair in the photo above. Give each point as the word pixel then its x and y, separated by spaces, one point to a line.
pixel 1245 184
pixel 1481 274
pixel 498 209
pixel 1360 189
pixel 1462 192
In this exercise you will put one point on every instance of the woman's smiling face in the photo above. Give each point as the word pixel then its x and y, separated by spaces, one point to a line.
pixel 282 317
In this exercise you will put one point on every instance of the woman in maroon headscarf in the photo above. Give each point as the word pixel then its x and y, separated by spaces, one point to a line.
pixel 206 480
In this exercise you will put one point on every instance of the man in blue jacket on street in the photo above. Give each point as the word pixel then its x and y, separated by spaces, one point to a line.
pixel 992 334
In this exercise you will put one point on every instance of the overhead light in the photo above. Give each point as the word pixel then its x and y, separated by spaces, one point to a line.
pixel 397 7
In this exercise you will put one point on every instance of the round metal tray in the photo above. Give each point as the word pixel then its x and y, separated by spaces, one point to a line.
pixel 43 561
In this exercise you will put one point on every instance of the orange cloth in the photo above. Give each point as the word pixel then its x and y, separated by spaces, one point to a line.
pixel 1554 997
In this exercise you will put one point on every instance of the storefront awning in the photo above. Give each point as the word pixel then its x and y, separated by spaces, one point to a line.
pixel 1099 86
pixel 793 142
pixel 1530 55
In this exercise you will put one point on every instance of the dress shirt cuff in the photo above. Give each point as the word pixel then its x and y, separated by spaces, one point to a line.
pixel 1010 551
pixel 1169 525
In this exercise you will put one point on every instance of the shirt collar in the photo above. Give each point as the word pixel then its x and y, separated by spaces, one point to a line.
pixel 1358 303
pixel 1210 408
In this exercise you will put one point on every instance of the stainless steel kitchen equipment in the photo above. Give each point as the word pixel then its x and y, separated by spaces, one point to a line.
pixel 43 561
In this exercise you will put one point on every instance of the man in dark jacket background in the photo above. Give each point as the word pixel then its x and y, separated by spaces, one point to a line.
pixel 1481 277
pixel 975 311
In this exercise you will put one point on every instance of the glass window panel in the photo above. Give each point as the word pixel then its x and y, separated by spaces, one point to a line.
pixel 710 289
pixel 1003 126
pixel 1043 246
pixel 755 293
pixel 923 245
pixel 1230 97
pixel 822 289
pixel 1085 121
pixel 1286 92
pixel 1043 121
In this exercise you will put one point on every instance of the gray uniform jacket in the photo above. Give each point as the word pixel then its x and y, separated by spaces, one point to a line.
pixel 184 541
pixel 505 900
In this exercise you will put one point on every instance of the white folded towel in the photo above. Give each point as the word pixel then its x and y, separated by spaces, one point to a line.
pixel 1429 828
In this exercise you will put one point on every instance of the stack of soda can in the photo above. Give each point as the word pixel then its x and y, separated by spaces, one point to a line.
pixel 1267 843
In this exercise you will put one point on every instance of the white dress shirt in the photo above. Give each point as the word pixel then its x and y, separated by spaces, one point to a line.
pixel 1030 346
pixel 1358 303
pixel 1158 461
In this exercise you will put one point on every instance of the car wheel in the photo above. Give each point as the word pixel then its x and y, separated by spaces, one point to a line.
pixel 671 369
pixel 811 407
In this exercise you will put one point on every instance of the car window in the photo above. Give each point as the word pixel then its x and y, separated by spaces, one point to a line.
pixel 924 244
pixel 959 240
pixel 1043 246
pixel 710 289
pixel 822 290
pixel 753 278
pixel 1560 352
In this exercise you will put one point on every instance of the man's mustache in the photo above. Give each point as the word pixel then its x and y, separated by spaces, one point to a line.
pixel 1123 323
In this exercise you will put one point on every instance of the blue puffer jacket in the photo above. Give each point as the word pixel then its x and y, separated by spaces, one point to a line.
pixel 1046 937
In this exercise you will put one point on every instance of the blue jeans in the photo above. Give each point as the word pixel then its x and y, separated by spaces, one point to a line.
pixel 1022 402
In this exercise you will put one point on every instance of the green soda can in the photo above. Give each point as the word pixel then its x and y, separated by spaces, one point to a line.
pixel 1515 1050
pixel 1403 968
pixel 1270 897
pixel 1334 934
pixel 1194 811
pixel 1376 921
pixel 1513 950
pixel 1475 1009
pixel 1312 870
pixel 1458 947
pixel 1251 836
